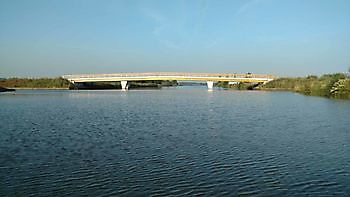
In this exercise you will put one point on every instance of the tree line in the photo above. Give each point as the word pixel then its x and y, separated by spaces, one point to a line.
pixel 58 82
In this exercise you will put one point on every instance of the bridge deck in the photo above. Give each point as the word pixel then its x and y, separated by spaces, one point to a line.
pixel 169 76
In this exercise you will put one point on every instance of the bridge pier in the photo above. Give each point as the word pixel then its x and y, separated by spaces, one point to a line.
pixel 210 85
pixel 124 85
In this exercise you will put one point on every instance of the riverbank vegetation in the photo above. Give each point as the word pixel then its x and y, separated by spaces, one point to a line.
pixel 117 85
pixel 237 86
pixel 329 85
pixel 35 83
pixel 60 83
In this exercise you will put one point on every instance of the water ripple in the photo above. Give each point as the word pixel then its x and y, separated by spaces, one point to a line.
pixel 173 143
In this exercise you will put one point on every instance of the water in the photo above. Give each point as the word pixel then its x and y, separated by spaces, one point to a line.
pixel 173 141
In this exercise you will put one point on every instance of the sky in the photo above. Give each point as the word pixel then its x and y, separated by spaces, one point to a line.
pixel 47 38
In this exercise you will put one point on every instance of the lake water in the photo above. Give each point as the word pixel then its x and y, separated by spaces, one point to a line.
pixel 173 141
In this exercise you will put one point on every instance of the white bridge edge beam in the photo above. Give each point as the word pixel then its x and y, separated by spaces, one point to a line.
pixel 210 85
pixel 124 85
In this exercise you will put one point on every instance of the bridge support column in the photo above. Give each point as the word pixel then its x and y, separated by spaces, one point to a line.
pixel 124 85
pixel 210 85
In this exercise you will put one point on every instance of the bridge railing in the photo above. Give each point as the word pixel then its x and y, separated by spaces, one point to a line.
pixel 171 74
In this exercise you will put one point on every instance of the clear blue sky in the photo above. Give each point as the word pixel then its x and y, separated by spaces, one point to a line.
pixel 281 37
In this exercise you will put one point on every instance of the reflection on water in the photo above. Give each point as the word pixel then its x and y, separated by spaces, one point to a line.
pixel 174 141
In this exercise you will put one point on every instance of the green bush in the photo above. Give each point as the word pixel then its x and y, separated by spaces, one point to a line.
pixel 329 85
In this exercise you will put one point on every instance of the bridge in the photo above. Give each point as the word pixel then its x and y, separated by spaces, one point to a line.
pixel 210 78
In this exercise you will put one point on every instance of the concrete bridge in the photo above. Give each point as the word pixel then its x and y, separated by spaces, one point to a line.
pixel 210 78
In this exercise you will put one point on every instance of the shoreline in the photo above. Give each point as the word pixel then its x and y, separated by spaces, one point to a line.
pixel 16 88
pixel 275 89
